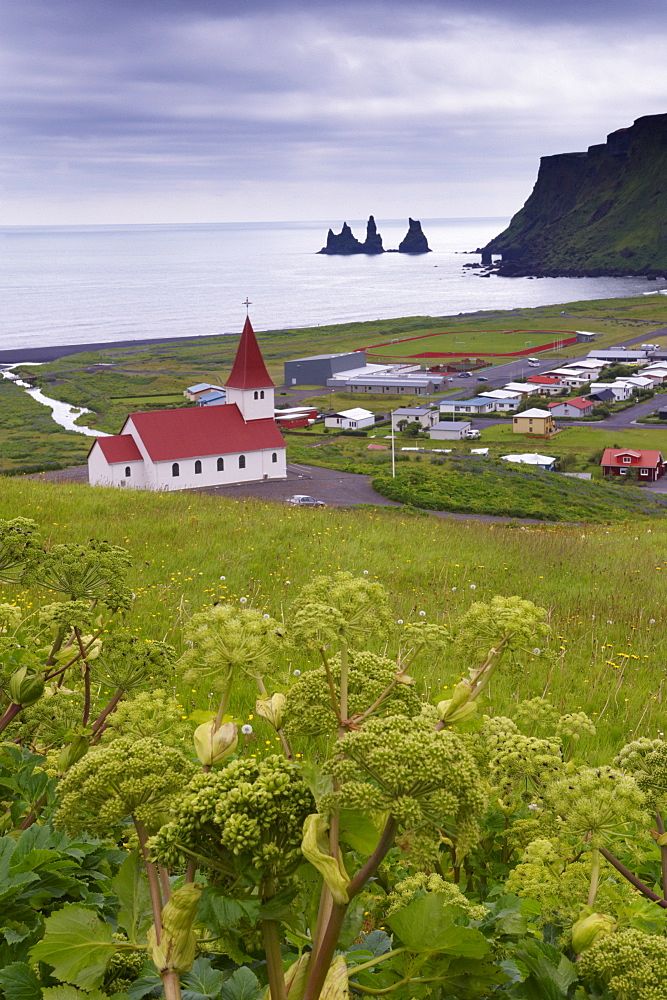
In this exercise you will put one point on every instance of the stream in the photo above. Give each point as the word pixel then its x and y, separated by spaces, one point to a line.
pixel 62 413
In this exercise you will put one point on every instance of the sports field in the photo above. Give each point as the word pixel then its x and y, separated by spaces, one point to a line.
pixel 479 343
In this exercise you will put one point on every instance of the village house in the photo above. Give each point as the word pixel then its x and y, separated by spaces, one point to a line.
pixel 546 385
pixel 533 422
pixel 578 407
pixel 504 399
pixel 621 390
pixel 182 449
pixel 450 430
pixel 194 392
pixel 425 416
pixel 480 404
pixel 649 465
pixel 350 420
pixel 545 462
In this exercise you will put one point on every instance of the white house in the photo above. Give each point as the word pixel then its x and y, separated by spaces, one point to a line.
pixel 478 405
pixel 621 390
pixel 193 392
pixel 450 430
pixel 184 449
pixel 425 416
pixel 532 458
pixel 521 388
pixel 350 420
pixel 504 399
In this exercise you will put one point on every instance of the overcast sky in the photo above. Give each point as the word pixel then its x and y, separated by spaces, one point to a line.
pixel 222 111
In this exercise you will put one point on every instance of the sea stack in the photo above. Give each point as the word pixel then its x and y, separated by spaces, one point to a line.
pixel 344 242
pixel 373 242
pixel 414 241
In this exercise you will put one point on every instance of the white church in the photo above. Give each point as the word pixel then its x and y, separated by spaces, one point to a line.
pixel 183 449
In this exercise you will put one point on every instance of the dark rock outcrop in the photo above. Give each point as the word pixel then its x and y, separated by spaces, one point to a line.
pixel 344 242
pixel 373 242
pixel 414 240
pixel 602 212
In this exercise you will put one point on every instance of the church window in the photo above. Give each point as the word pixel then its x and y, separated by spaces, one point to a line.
pixel 241 461
pixel 221 465
pixel 256 396
pixel 175 471
pixel 261 395
pixel 128 471
pixel 197 467
pixel 274 457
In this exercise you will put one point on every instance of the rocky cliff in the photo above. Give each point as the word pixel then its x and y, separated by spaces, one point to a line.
pixel 602 212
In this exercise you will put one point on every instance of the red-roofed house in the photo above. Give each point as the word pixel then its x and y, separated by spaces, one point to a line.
pixel 546 385
pixel 183 449
pixel 649 464
pixel 578 407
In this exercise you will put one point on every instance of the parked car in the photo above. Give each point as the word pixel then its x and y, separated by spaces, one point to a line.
pixel 300 500
pixel 465 375
pixel 482 378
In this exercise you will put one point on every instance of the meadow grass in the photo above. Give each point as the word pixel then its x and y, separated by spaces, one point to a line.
pixel 472 343
pixel 604 588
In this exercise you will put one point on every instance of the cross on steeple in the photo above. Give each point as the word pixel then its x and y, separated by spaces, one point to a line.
pixel 247 305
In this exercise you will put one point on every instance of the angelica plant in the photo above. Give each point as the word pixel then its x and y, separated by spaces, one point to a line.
pixel 630 965
pixel 137 779
pixel 242 825
pixel 646 760
pixel 20 548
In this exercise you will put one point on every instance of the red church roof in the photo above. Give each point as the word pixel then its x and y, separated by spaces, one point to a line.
pixel 249 370
pixel 195 432
pixel 119 448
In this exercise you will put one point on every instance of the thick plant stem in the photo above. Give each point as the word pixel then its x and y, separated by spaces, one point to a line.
pixel 153 884
pixel 632 879
pixel 344 675
pixel 101 719
pixel 10 714
pixel 321 962
pixel 172 985
pixel 595 877
pixel 663 852
pixel 274 960
pixel 222 707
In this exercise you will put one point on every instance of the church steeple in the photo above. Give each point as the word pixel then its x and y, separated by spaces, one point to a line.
pixel 249 385
pixel 249 370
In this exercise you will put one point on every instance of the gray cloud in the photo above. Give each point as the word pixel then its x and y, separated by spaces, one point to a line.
pixel 114 109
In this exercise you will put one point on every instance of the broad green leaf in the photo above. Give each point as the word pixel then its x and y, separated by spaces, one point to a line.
pixel 279 906
pixel 7 848
pixel 77 945
pixel 19 982
pixel 149 984
pixel 67 992
pixel 219 912
pixel 201 715
pixel 361 830
pixel 320 784
pixel 135 914
pixel 427 925
pixel 352 923
pixel 202 981
pixel 242 985
pixel 550 973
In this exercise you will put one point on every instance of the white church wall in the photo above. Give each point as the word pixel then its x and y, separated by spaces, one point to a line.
pixel 102 473
pixel 258 465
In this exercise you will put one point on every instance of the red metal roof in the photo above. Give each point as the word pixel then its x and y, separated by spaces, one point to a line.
pixel 544 379
pixel 646 459
pixel 119 448
pixel 195 432
pixel 249 370
pixel 579 403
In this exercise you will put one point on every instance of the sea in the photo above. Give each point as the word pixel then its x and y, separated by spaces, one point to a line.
pixel 71 285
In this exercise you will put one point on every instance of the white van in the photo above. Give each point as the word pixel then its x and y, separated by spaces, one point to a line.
pixel 533 362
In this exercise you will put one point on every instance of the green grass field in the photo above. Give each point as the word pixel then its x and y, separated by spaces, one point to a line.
pixel 471 344
pixel 604 587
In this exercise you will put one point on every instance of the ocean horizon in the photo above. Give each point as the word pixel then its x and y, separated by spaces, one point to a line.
pixel 106 283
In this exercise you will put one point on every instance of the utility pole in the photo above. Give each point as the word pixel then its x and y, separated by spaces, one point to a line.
pixel 393 448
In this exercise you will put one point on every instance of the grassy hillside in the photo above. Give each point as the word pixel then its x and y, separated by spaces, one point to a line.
pixel 604 587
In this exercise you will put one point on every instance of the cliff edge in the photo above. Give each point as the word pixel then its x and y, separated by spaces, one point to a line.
pixel 602 212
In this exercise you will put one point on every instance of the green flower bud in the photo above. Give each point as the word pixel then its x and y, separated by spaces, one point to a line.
pixel 215 745
pixel 26 686
pixel 587 930
pixel 315 848
pixel 271 709
pixel 178 943
pixel 71 753
pixel 459 699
